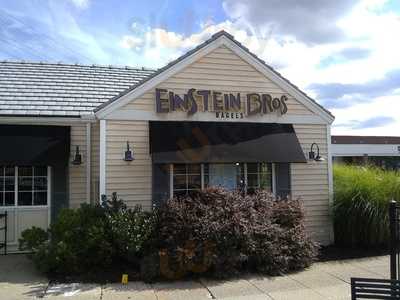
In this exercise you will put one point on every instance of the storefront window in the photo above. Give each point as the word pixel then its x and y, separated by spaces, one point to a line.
pixel 259 176
pixel 229 176
pixel 30 189
pixel 188 178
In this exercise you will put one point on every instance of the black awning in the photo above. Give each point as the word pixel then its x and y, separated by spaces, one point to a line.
pixel 188 142
pixel 34 144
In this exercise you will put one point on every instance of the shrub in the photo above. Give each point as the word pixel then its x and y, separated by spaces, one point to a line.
pixel 32 239
pixel 282 244
pixel 91 239
pixel 150 267
pixel 132 233
pixel 79 243
pixel 215 231
pixel 226 232
pixel 361 203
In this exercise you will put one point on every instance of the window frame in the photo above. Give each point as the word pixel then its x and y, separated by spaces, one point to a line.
pixel 17 191
pixel 187 174
pixel 258 173
pixel 202 176
pixel 4 191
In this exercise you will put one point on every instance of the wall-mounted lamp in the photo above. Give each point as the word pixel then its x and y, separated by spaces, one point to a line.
pixel 312 155
pixel 78 157
pixel 128 153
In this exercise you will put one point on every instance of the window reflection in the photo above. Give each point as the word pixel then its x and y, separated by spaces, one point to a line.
pixel 249 177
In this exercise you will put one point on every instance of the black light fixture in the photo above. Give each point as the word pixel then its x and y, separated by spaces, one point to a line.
pixel 312 155
pixel 128 153
pixel 78 157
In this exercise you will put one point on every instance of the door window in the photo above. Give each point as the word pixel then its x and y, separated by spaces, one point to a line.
pixel 23 185
pixel 7 186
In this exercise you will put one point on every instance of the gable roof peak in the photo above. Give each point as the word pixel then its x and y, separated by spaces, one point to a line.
pixel 189 57
pixel 222 33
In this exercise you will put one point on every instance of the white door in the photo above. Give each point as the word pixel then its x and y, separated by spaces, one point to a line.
pixel 25 195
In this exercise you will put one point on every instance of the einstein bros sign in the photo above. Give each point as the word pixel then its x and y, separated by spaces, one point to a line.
pixel 224 105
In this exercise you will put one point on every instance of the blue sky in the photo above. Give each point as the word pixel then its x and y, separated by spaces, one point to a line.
pixel 344 53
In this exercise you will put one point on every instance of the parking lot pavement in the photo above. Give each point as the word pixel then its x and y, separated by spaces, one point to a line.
pixel 327 280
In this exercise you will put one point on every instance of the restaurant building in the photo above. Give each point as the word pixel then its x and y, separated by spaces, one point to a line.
pixel 216 116
pixel 381 151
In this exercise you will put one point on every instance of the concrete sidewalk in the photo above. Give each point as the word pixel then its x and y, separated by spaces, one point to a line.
pixel 328 280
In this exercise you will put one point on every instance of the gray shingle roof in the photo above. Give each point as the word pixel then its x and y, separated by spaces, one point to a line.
pixel 357 139
pixel 48 89
pixel 29 88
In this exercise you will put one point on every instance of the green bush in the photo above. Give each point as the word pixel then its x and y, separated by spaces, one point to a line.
pixel 32 239
pixel 361 201
pixel 88 240
pixel 132 232
pixel 79 243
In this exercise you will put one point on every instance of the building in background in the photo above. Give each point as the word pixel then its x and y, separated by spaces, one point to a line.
pixel 383 151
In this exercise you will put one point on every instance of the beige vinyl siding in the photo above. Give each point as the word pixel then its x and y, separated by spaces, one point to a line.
pixel 224 71
pixel 310 182
pixel 131 180
pixel 77 173
pixel 95 165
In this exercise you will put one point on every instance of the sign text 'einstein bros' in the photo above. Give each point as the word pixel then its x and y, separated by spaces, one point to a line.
pixel 224 105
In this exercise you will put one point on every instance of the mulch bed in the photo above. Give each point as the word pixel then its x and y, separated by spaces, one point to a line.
pixel 328 253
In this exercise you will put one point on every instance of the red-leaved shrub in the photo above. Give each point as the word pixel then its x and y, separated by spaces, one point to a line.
pixel 225 232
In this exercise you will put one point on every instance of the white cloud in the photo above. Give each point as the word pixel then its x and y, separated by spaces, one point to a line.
pixel 131 42
pixel 365 26
pixel 167 45
pixel 81 4
pixel 387 106
pixel 312 22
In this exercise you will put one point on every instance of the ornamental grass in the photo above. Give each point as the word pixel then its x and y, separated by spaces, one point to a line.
pixel 361 203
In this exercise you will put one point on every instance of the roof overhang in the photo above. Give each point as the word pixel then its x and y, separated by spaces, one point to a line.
pixel 365 149
pixel 62 120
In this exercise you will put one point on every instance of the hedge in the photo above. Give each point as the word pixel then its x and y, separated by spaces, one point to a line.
pixel 216 233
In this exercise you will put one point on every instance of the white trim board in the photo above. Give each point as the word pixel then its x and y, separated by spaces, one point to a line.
pixel 56 121
pixel 103 148
pixel 330 176
pixel 180 65
pixel 137 115
pixel 88 161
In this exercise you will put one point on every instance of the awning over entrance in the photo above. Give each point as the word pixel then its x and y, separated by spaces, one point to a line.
pixel 188 142
pixel 34 145
pixel 37 145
